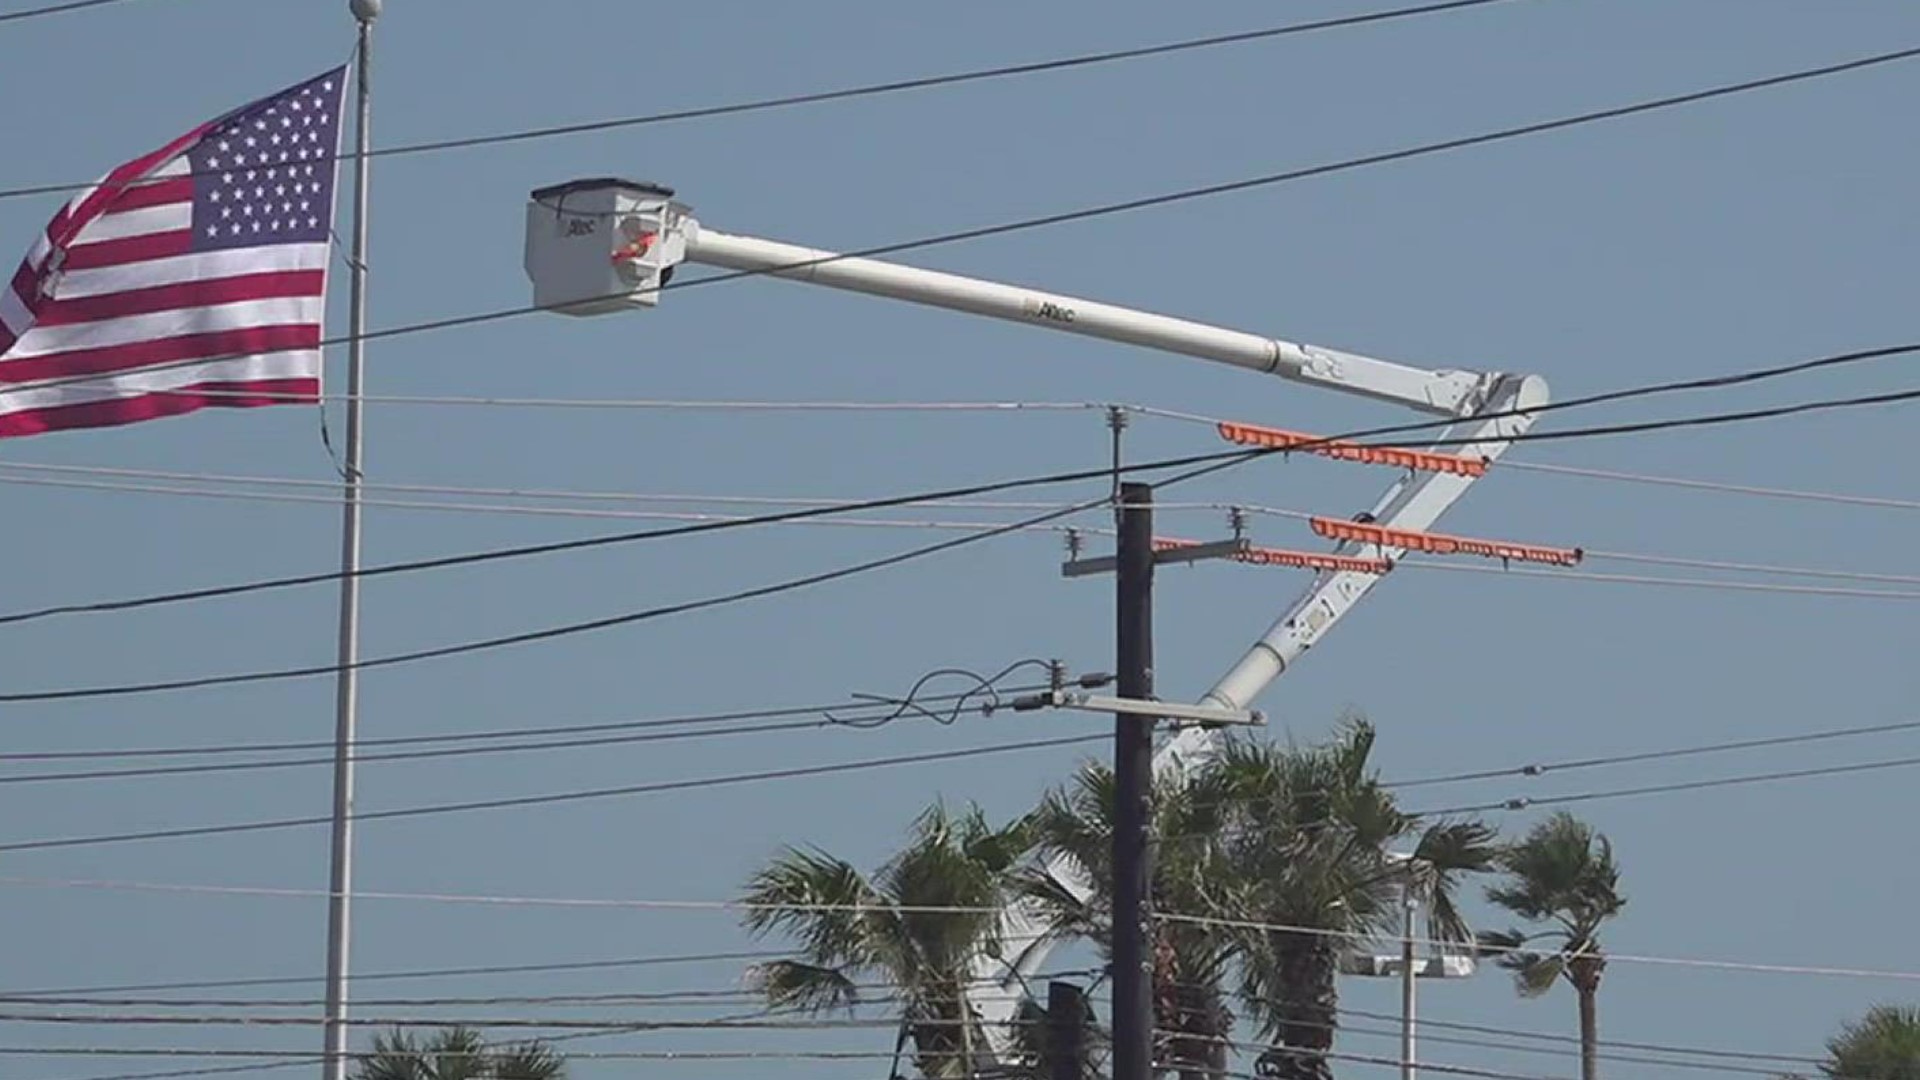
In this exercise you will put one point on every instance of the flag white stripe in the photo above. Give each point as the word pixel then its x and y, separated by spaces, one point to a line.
pixel 292 364
pixel 201 266
pixel 13 310
pixel 179 166
pixel 132 329
pixel 167 217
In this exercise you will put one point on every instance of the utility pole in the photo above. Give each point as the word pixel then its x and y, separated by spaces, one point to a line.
pixel 1133 789
pixel 1409 905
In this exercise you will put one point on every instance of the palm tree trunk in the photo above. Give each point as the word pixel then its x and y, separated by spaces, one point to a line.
pixel 1309 1009
pixel 1589 1034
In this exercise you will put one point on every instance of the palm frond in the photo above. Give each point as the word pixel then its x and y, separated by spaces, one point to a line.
pixel 1533 973
pixel 533 1060
pixel 395 1056
pixel 809 987
pixel 818 899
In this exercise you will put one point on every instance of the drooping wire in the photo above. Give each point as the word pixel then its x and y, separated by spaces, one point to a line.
pixel 984 685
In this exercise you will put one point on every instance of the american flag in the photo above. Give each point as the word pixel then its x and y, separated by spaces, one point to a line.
pixel 192 276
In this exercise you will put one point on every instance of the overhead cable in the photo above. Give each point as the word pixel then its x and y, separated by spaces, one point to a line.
pixel 550 633
pixel 474 735
pixel 736 906
pixel 1207 463
pixel 823 96
pixel 553 798
pixel 35 13
pixel 1144 202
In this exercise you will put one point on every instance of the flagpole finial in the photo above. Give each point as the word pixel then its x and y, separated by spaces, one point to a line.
pixel 365 10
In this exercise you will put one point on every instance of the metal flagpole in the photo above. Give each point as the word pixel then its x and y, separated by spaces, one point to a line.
pixel 347 686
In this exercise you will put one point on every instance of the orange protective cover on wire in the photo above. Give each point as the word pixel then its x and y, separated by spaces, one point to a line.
pixel 1400 457
pixel 1441 544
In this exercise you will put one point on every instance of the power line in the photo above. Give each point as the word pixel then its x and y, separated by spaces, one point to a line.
pixel 734 906
pixel 676 996
pixel 415 973
pixel 1710 485
pixel 1631 958
pixel 1524 803
pixel 213 1070
pixel 53 9
pixel 1639 757
pixel 1143 202
pixel 843 94
pixel 1574 1040
pixel 1674 582
pixel 916 524
pixel 1210 462
pixel 982 526
pixel 527 550
pixel 495 509
pixel 553 632
pixel 649 723
pixel 871 713
pixel 442 754
pixel 548 799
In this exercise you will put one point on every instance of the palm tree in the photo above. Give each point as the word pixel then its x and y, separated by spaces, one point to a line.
pixel 1075 824
pixel 1883 1045
pixel 457 1053
pixel 1561 873
pixel 850 926
pixel 1306 843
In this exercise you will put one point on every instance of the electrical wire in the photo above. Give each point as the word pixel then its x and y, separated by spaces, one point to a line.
pixel 1612 957
pixel 553 632
pixel 982 526
pixel 619 1024
pixel 861 723
pixel 550 633
pixel 1525 802
pixel 1140 203
pixel 1672 582
pixel 1574 1040
pixel 1709 485
pixel 897 709
pixel 735 906
pixel 415 973
pixel 1208 463
pixel 212 1070
pixel 1541 769
pixel 527 550
pixel 53 9
pixel 649 723
pixel 677 996
pixel 495 509
pixel 843 94
pixel 553 798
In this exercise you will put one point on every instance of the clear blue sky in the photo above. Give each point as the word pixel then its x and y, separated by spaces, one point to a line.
pixel 1735 234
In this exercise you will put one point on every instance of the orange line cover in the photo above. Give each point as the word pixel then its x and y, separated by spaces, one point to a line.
pixel 1254 435
pixel 1299 560
pixel 1440 544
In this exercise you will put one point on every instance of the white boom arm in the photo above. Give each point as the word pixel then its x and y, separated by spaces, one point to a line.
pixel 597 246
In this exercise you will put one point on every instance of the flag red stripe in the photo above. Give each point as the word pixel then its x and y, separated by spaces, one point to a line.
pixel 129 249
pixel 26 284
pixel 225 344
pixel 183 294
pixel 114 186
pixel 174 189
pixel 232 395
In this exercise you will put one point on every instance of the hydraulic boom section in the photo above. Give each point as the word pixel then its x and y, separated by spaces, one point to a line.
pixel 599 246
